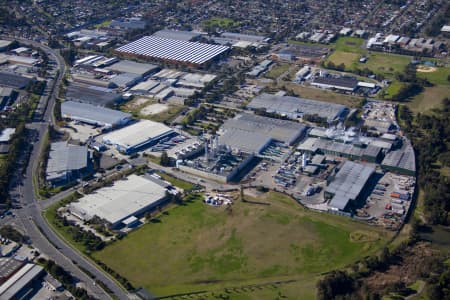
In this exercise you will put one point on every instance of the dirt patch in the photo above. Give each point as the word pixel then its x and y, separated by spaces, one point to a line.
pixel 426 69
pixel 360 236
pixel 154 109
pixel 136 103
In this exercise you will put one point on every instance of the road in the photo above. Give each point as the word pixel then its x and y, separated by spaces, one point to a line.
pixel 30 215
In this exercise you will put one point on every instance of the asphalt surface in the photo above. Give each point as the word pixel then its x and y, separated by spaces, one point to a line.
pixel 30 213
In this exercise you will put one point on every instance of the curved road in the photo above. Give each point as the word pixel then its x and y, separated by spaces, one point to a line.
pixel 30 215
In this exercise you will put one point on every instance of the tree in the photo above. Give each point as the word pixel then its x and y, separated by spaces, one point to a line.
pixel 164 159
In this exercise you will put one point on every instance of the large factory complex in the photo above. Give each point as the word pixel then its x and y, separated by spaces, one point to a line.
pixel 295 145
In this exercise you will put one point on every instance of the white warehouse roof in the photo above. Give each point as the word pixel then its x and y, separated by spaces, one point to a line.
pixel 124 199
pixel 137 133
pixel 173 50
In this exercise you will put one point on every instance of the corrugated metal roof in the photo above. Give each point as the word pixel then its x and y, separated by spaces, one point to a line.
pixel 175 50
pixel 348 183
pixel 93 114
pixel 294 107
pixel 64 157
pixel 245 141
pixel 280 130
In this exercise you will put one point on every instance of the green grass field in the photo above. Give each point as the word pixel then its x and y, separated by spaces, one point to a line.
pixel 196 247
pixel 439 77
pixel 430 98
pixel 220 22
pixel 276 71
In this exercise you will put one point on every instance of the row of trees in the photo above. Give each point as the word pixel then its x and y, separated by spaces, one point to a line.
pixel 66 279
pixel 430 134
pixel 411 84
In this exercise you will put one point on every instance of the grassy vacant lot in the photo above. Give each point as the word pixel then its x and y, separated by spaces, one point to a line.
pixel 430 98
pixel 196 247
pixel 276 71
pixel 323 95
pixel 348 50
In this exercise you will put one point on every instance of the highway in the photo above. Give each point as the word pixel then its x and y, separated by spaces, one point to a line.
pixel 30 213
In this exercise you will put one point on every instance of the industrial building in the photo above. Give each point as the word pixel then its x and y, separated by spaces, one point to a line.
pixel 347 84
pixel 117 205
pixel 17 285
pixel 92 95
pixel 13 80
pixel 67 163
pixel 260 68
pixel 245 141
pixel 94 115
pixel 294 107
pixel 313 145
pixel 138 136
pixel 128 66
pixel 401 161
pixel 125 80
pixel 287 132
pixel 301 52
pixel 170 50
pixel 4 44
pixel 5 136
pixel 220 163
pixel 347 184
pixel 180 35
pixel 144 87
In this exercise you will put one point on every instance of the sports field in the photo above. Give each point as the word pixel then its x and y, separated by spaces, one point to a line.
pixel 196 247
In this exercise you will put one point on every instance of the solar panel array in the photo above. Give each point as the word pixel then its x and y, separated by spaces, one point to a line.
pixel 170 49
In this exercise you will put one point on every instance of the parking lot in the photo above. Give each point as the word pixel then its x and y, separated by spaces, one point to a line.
pixel 390 200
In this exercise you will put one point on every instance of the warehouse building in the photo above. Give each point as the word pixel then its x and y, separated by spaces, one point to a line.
pixel 294 107
pixel 313 145
pixel 245 141
pixel 180 35
pixel 284 131
pixel 5 137
pixel 92 95
pixel 401 161
pixel 122 203
pixel 17 286
pixel 7 95
pixel 4 44
pixel 125 80
pixel 13 80
pixel 128 66
pixel 346 84
pixel 94 115
pixel 173 51
pixel 347 184
pixel 144 87
pixel 138 136
pixel 67 163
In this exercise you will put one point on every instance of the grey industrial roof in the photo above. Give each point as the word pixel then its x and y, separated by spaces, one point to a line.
pixel 91 114
pixel 313 144
pixel 6 91
pixel 128 66
pixel 173 50
pixel 13 80
pixel 90 94
pixel 243 140
pixel 244 37
pixel 5 43
pixel 294 106
pixel 348 183
pixel 302 50
pixel 6 134
pixel 344 82
pixel 8 266
pixel 120 201
pixel 125 79
pixel 19 280
pixel 280 130
pixel 64 157
pixel 176 34
pixel 403 158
